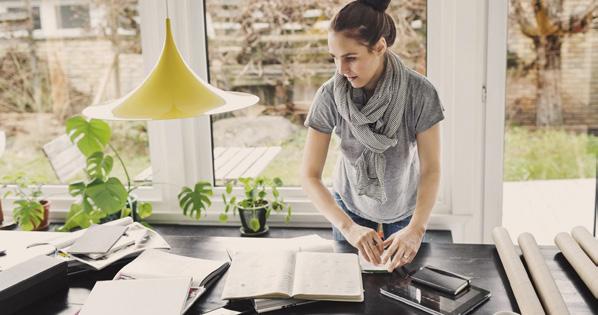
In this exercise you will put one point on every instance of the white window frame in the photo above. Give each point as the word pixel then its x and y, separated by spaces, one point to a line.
pixel 461 46
pixel 466 62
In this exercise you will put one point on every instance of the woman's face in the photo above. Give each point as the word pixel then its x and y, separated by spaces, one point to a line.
pixel 355 61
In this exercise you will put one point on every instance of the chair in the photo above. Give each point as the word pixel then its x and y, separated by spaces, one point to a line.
pixel 65 158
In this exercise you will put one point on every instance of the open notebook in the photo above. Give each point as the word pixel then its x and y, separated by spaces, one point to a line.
pixel 300 275
pixel 159 264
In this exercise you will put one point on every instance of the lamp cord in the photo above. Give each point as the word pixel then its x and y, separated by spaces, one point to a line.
pixel 167 15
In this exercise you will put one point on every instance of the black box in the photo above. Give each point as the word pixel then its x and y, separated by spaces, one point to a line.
pixel 30 281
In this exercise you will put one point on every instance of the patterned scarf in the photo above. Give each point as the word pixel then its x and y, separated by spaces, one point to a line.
pixel 385 109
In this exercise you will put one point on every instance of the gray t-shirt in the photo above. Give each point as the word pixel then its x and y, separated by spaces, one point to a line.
pixel 422 111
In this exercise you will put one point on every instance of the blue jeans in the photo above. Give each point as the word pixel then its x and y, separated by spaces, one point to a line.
pixel 387 228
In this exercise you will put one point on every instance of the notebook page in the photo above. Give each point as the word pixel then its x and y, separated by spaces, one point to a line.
pixel 328 276
pixel 260 274
pixel 155 263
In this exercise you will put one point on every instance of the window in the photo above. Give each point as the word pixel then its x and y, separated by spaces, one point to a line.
pixel 278 51
pixel 551 119
pixel 72 16
pixel 43 82
pixel 34 12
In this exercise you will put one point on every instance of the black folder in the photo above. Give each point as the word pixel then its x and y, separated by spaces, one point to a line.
pixel 30 281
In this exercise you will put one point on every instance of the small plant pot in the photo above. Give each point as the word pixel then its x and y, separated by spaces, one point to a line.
pixel 247 214
pixel 43 225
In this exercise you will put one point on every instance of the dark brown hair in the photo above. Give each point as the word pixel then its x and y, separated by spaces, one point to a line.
pixel 365 21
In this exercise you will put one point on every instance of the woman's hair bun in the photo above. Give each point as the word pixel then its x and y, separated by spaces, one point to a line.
pixel 378 5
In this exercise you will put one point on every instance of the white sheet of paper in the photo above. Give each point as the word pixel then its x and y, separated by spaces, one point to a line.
pixel 146 296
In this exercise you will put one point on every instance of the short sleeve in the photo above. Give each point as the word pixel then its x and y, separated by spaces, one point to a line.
pixel 430 111
pixel 322 115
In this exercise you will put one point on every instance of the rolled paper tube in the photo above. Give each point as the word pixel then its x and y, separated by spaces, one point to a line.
pixel 587 242
pixel 526 297
pixel 587 271
pixel 551 298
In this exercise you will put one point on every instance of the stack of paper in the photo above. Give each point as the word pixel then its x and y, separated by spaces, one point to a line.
pixel 20 246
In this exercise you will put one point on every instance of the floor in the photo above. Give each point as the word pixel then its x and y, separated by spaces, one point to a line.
pixel 545 208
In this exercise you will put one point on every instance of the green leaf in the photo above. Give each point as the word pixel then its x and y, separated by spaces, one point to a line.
pixel 125 212
pixel 229 187
pixel 287 219
pixel 193 202
pixel 144 210
pixel 277 182
pixel 29 214
pixel 75 217
pixel 109 196
pixel 223 217
pixel 254 224
pixel 76 189
pixel 223 199
pixel 89 136
pixel 95 216
pixel 99 165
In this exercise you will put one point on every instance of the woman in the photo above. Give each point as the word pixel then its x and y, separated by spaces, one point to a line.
pixel 386 117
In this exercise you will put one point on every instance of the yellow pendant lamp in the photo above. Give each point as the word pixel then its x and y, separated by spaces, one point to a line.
pixel 171 91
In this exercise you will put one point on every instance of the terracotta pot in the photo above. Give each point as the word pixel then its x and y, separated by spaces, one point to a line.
pixel 44 224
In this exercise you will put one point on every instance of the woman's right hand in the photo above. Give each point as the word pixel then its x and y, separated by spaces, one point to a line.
pixel 366 240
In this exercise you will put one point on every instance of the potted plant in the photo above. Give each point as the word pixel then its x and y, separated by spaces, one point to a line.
pixel 30 211
pixel 261 196
pixel 101 197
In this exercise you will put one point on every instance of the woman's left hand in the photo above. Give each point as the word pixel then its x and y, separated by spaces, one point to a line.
pixel 402 246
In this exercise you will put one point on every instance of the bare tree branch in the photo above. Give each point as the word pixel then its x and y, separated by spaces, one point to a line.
pixel 581 22
pixel 524 23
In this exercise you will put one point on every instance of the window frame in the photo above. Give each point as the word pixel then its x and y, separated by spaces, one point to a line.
pixel 457 208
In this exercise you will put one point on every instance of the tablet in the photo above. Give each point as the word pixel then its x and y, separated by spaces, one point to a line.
pixel 435 302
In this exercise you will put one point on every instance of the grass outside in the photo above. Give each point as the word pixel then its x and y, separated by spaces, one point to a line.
pixel 548 154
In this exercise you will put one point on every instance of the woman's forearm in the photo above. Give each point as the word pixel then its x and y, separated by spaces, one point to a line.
pixel 321 198
pixel 427 191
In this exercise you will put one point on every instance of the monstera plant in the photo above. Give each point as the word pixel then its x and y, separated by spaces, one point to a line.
pixel 100 196
pixel 196 201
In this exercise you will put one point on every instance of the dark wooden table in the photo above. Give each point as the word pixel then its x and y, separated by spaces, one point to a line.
pixel 478 261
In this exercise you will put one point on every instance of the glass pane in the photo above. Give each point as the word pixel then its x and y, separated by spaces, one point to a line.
pixel 551 134
pixel 46 79
pixel 278 51
pixel 73 16
pixel 21 13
